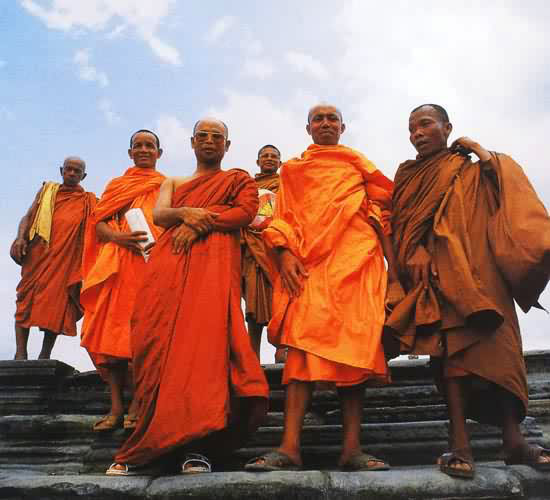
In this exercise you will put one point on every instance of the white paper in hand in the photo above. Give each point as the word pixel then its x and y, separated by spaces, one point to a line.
pixel 137 222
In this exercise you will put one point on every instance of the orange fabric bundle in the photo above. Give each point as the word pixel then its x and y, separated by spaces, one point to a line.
pixel 191 349
pixel 48 294
pixel 328 200
pixel 112 274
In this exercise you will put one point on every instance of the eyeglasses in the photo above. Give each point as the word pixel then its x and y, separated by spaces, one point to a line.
pixel 202 135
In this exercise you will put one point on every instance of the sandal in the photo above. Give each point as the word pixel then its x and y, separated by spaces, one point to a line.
pixel 195 463
pixel 529 456
pixel 108 423
pixel 447 460
pixel 360 462
pixel 127 471
pixel 272 461
pixel 130 421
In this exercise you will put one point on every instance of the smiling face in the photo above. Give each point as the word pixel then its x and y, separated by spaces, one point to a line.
pixel 73 171
pixel 428 131
pixel 325 125
pixel 144 150
pixel 210 142
pixel 268 160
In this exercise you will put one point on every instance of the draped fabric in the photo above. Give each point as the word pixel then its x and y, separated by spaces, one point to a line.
pixel 192 355
pixel 112 273
pixel 325 208
pixel 51 274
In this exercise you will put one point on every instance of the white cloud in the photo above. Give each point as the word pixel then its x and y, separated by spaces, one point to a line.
pixel 106 107
pixel 177 157
pixel 144 16
pixel 306 64
pixel 117 32
pixel 258 68
pixel 88 72
pixel 220 27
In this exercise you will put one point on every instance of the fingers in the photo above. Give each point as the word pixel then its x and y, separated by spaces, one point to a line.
pixel 301 269
pixel 149 247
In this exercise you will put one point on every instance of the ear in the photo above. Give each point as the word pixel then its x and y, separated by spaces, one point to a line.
pixel 343 128
pixel 448 129
pixel 160 153
pixel 192 143
pixel 308 128
pixel 61 171
pixel 84 174
pixel 258 162
pixel 130 154
pixel 227 144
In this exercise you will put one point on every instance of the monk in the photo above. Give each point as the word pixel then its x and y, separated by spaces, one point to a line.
pixel 470 238
pixel 256 283
pixel 48 248
pixel 200 386
pixel 113 266
pixel 330 234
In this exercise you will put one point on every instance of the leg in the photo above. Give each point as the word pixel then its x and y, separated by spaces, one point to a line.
pixel 115 375
pixel 351 402
pixel 514 443
pixel 47 344
pixel 459 438
pixel 21 340
pixel 255 333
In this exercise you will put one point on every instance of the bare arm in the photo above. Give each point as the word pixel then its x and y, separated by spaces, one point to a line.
pixel 18 248
pixel 388 252
pixel 164 215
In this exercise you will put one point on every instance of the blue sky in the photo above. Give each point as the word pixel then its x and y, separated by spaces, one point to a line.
pixel 80 77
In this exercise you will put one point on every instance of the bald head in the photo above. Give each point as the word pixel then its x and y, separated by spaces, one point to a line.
pixel 209 121
pixel 315 108
pixel 75 159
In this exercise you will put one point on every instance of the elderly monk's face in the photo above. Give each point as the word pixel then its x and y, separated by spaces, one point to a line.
pixel 269 161
pixel 144 150
pixel 210 142
pixel 428 131
pixel 325 126
pixel 73 172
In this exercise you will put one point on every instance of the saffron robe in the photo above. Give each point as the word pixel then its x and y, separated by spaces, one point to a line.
pixel 112 273
pixel 489 238
pixel 192 353
pixel 51 274
pixel 327 202
pixel 256 265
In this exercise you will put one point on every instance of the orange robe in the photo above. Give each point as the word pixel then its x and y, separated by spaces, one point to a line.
pixel 489 238
pixel 48 293
pixel 191 348
pixel 112 273
pixel 326 205
pixel 256 285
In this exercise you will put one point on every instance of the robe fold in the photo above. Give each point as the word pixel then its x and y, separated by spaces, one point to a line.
pixel 51 274
pixel 489 238
pixel 256 264
pixel 327 202
pixel 192 354
pixel 112 273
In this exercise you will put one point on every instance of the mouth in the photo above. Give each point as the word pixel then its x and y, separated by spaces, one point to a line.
pixel 420 144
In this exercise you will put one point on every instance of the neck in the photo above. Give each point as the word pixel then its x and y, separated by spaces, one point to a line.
pixel 152 167
pixel 207 168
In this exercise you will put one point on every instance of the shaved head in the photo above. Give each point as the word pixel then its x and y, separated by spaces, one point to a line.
pixel 440 110
pixel 323 105
pixel 211 120
pixel 75 159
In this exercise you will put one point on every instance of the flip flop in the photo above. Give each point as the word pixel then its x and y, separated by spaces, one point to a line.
pixel 195 463
pixel 272 461
pixel 127 471
pixel 360 462
pixel 108 423
pixel 446 465
pixel 529 456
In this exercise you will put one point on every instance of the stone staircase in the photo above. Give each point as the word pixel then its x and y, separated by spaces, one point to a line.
pixel 47 410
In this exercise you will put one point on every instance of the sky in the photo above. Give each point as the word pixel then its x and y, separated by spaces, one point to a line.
pixel 77 78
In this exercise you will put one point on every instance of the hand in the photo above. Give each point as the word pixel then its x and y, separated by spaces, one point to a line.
pixel 292 272
pixel 183 237
pixel 394 294
pixel 132 241
pixel 200 219
pixel 466 145
pixel 18 250
pixel 419 267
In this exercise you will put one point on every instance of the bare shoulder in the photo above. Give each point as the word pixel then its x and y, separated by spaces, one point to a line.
pixel 178 181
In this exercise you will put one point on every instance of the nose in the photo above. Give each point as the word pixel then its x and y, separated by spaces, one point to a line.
pixel 416 134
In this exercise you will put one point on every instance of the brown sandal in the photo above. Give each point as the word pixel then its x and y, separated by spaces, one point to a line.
pixel 272 461
pixel 447 460
pixel 529 456
pixel 130 421
pixel 108 423
pixel 360 462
